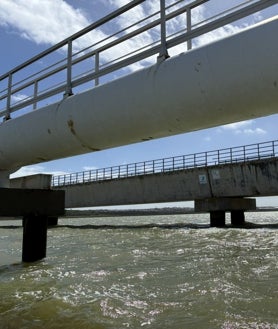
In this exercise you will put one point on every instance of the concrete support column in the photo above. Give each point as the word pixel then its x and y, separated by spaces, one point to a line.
pixel 237 217
pixel 35 206
pixel 52 221
pixel 34 238
pixel 218 206
pixel 217 218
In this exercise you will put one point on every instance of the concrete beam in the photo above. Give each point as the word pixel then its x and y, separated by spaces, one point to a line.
pixel 38 181
pixel 22 202
pixel 224 204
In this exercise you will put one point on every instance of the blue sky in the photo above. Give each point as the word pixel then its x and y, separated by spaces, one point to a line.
pixel 29 27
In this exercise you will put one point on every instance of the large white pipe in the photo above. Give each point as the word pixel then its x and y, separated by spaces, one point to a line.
pixel 230 80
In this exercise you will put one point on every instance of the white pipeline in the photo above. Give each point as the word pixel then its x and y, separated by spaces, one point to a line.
pixel 230 80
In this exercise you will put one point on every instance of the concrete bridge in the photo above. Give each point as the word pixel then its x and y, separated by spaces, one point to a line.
pixel 218 181
pixel 230 80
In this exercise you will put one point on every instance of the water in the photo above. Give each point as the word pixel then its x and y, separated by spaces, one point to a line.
pixel 133 275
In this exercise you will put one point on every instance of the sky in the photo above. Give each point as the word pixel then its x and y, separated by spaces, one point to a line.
pixel 29 27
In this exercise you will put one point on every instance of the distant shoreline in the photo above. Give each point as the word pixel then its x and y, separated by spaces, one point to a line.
pixel 143 212
pixel 71 213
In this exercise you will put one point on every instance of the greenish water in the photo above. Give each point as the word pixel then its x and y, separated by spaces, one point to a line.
pixel 178 273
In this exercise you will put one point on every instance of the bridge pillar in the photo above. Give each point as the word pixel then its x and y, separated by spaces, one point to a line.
pixel 34 238
pixel 217 218
pixel 35 206
pixel 37 181
pixel 237 217
pixel 52 221
pixel 218 206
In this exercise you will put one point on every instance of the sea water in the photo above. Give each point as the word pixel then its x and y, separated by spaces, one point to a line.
pixel 143 271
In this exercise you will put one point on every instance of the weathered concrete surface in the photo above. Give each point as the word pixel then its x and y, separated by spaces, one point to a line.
pixel 38 202
pixel 252 179
pixel 38 181
pixel 224 204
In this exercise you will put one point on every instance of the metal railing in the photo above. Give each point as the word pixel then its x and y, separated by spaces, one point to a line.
pixel 237 154
pixel 82 59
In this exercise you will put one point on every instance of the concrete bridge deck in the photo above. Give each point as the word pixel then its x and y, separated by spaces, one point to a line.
pixel 246 171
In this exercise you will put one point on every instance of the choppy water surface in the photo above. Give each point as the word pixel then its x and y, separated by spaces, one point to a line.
pixel 135 275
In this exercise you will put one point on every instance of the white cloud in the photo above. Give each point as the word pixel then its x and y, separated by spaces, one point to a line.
pixel 237 125
pixel 219 33
pixel 17 98
pixel 34 169
pixel 207 139
pixel 89 168
pixel 44 22
pixel 256 131
pixel 243 127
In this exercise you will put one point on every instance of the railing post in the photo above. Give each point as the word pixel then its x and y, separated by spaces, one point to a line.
pixel 163 50
pixel 68 91
pixel 188 26
pixel 9 96
pixel 35 95
pixel 97 68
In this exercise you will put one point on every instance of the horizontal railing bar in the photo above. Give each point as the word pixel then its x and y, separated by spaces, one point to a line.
pixel 38 98
pixel 103 48
pixel 236 15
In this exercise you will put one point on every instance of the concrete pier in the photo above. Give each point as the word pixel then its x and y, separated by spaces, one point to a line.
pixel 217 207
pixel 35 206
pixel 34 238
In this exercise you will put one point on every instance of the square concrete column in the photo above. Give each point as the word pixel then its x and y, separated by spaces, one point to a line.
pixel 217 218
pixel 237 217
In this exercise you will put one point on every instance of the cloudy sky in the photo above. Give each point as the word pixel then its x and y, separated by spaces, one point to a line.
pixel 29 27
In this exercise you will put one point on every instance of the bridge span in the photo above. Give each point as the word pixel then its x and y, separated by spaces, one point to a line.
pixel 216 180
